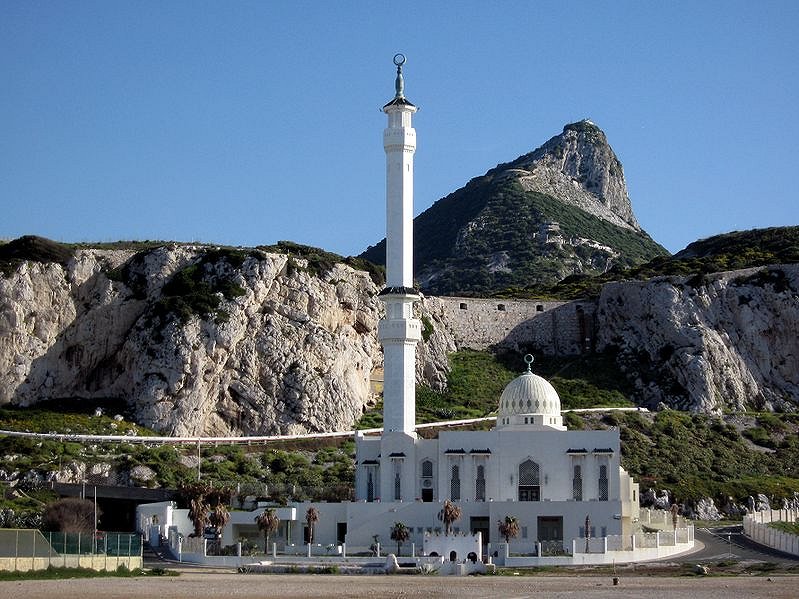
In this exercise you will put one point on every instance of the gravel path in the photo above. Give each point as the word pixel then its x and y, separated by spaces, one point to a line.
pixel 205 584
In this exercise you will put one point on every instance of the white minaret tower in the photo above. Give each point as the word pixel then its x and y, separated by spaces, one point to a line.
pixel 399 331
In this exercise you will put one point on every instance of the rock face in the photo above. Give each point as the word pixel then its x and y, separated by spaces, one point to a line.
pixel 200 341
pixel 580 168
pixel 728 341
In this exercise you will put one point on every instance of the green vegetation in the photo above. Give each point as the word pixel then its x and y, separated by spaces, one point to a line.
pixel 789 527
pixel 702 456
pixel 502 216
pixel 35 249
pixel 321 262
pixel 731 251
pixel 196 289
pixel 73 416
pixel 477 378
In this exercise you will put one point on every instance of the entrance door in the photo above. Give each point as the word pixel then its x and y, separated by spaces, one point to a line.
pixel 550 534
pixel 481 525
pixel 341 531
pixel 427 495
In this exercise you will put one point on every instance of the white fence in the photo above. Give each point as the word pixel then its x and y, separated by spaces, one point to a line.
pixel 756 527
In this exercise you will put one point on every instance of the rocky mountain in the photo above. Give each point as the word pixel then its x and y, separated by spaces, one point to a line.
pixel 198 340
pixel 560 210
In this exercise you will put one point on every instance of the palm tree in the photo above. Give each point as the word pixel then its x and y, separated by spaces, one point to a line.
pixel 198 514
pixel 267 522
pixel 400 533
pixel 311 518
pixel 509 528
pixel 449 513
pixel 219 518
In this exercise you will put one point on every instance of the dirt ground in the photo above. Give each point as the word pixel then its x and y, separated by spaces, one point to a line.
pixel 204 584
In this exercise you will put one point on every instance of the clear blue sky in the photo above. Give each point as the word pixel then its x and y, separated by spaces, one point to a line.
pixel 244 123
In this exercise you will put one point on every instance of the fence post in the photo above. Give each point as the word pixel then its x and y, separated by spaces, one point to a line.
pixel 16 550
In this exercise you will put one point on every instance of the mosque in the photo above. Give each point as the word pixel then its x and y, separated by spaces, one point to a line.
pixel 553 481
pixel 563 487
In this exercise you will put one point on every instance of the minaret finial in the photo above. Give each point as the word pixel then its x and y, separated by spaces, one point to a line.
pixel 528 359
pixel 399 60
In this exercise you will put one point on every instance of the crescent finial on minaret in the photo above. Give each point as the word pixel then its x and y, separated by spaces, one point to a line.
pixel 399 60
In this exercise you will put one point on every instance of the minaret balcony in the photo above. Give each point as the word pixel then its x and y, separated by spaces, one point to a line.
pixel 402 329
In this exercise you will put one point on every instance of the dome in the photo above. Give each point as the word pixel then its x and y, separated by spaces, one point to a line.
pixel 531 396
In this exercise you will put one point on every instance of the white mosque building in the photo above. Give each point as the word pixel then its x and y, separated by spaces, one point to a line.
pixel 555 482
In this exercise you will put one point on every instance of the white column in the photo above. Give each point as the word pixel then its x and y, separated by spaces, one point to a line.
pixel 399 331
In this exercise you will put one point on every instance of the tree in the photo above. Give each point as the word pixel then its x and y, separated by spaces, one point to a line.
pixel 311 518
pixel 400 533
pixel 198 514
pixel 509 528
pixel 449 513
pixel 219 518
pixel 69 515
pixel 268 523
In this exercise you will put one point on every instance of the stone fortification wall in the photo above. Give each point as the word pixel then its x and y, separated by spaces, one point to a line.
pixel 550 327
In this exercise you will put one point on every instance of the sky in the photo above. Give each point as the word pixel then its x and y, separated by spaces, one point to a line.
pixel 244 123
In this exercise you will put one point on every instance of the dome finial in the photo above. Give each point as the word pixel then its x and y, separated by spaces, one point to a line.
pixel 399 84
pixel 529 359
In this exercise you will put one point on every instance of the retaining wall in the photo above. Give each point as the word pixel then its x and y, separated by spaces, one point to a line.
pixel 552 328
pixel 756 527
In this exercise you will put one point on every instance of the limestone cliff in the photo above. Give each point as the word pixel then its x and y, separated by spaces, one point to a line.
pixel 727 341
pixel 199 340
pixel 580 168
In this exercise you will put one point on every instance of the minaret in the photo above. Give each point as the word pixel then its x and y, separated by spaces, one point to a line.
pixel 399 331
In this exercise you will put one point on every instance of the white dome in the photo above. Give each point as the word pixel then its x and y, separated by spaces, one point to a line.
pixel 529 394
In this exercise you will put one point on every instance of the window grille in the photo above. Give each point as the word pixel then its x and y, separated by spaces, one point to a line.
pixel 529 473
pixel 603 483
pixel 455 484
pixel 529 481
pixel 370 486
pixel 577 484
pixel 427 469
pixel 480 485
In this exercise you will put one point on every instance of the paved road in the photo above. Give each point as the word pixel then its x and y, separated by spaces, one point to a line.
pixel 729 542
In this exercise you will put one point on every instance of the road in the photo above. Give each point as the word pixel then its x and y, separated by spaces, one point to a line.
pixel 729 543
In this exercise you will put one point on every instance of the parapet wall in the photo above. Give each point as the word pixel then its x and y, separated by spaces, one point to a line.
pixel 550 327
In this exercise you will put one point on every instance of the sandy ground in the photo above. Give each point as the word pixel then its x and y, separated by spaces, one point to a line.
pixel 203 584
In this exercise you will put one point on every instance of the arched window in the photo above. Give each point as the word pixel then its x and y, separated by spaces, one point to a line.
pixel 603 483
pixel 455 484
pixel 577 483
pixel 427 469
pixel 480 484
pixel 529 481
